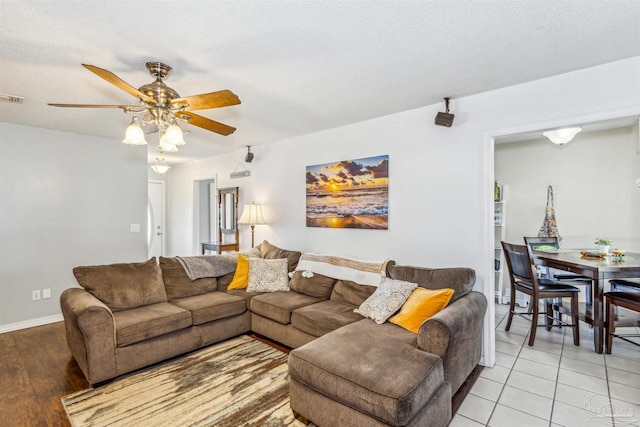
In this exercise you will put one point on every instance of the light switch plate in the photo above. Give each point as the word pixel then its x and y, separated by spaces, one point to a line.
pixel 135 228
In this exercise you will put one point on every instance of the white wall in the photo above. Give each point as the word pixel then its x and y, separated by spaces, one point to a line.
pixel 440 179
pixel 593 178
pixel 65 200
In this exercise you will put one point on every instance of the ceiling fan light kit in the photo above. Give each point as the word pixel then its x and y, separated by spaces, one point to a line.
pixel 134 134
pixel 163 106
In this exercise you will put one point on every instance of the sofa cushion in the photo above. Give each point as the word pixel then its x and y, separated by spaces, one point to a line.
pixel 212 306
pixel 246 296
pixel 351 293
pixel 386 300
pixel 460 279
pixel 323 317
pixel 241 275
pixel 421 305
pixel 178 285
pixel 391 380
pixel 317 285
pixel 268 275
pixel 142 323
pixel 269 251
pixel 123 286
pixel 278 306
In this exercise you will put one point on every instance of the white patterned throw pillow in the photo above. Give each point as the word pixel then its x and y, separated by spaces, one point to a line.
pixel 386 300
pixel 268 275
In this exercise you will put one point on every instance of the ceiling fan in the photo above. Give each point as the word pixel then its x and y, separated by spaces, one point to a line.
pixel 162 105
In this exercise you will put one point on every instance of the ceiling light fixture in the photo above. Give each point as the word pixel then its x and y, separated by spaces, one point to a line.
pixel 562 136
pixel 160 106
pixel 134 134
pixel 160 166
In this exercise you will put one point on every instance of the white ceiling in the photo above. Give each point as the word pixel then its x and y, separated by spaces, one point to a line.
pixel 297 66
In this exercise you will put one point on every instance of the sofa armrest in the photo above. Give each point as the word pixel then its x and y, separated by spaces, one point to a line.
pixel 91 334
pixel 455 335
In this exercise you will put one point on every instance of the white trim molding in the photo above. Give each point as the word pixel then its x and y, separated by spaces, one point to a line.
pixel 31 323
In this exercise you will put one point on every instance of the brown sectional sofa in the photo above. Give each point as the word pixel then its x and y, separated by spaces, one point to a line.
pixel 344 370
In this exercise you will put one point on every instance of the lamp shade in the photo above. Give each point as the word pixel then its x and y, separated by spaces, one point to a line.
pixel 165 145
pixel 252 214
pixel 561 136
pixel 173 134
pixel 134 134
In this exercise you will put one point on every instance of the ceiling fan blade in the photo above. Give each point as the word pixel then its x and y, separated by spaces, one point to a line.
pixel 205 123
pixel 124 107
pixel 117 81
pixel 222 98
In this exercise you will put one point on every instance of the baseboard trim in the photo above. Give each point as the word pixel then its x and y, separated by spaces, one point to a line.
pixel 30 323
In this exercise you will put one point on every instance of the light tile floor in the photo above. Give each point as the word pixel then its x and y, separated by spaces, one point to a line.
pixel 553 383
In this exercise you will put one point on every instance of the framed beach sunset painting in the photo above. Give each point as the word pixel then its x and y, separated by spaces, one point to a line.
pixel 349 194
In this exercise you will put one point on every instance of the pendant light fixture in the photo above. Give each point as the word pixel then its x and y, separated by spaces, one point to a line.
pixel 160 166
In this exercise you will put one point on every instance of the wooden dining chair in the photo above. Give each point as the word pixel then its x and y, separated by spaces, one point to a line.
pixel 563 276
pixel 614 318
pixel 625 284
pixel 523 278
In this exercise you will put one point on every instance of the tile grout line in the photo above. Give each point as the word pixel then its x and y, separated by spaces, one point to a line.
pixel 506 379
pixel 555 388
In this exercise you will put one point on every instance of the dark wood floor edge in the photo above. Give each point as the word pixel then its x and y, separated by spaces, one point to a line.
pixel 465 388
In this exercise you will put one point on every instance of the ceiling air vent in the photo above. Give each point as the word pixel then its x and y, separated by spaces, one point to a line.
pixel 11 98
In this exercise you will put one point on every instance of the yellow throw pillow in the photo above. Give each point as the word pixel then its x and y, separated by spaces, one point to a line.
pixel 241 276
pixel 421 305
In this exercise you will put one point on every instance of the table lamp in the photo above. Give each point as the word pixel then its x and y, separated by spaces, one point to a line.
pixel 252 214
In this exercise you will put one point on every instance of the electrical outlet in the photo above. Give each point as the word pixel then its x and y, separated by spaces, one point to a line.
pixel 35 295
pixel 46 293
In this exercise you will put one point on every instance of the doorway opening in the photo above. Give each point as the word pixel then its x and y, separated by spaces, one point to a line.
pixel 205 209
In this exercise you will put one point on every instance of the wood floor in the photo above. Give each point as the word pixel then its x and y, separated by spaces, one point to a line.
pixel 37 370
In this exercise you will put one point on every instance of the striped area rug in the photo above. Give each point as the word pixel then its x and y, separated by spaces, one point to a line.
pixel 240 382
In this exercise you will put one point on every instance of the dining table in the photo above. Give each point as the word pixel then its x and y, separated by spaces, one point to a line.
pixel 600 270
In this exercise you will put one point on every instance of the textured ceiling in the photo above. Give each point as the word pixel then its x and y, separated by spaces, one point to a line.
pixel 297 66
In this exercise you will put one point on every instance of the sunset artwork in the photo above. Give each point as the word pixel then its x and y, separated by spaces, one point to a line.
pixel 349 194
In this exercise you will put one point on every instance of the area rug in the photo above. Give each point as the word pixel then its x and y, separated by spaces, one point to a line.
pixel 240 382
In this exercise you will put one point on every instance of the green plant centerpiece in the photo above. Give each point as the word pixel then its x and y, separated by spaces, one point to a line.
pixel 603 244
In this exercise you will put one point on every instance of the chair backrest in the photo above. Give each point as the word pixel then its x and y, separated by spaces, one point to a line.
pixel 518 262
pixel 548 242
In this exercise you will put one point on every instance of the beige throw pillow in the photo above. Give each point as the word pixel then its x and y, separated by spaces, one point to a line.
pixel 268 275
pixel 386 300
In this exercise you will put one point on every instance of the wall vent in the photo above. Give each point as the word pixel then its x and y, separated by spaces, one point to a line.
pixel 11 98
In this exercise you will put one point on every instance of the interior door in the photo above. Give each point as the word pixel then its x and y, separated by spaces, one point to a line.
pixel 155 219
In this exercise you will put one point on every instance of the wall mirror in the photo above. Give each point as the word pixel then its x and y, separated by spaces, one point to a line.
pixel 228 212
